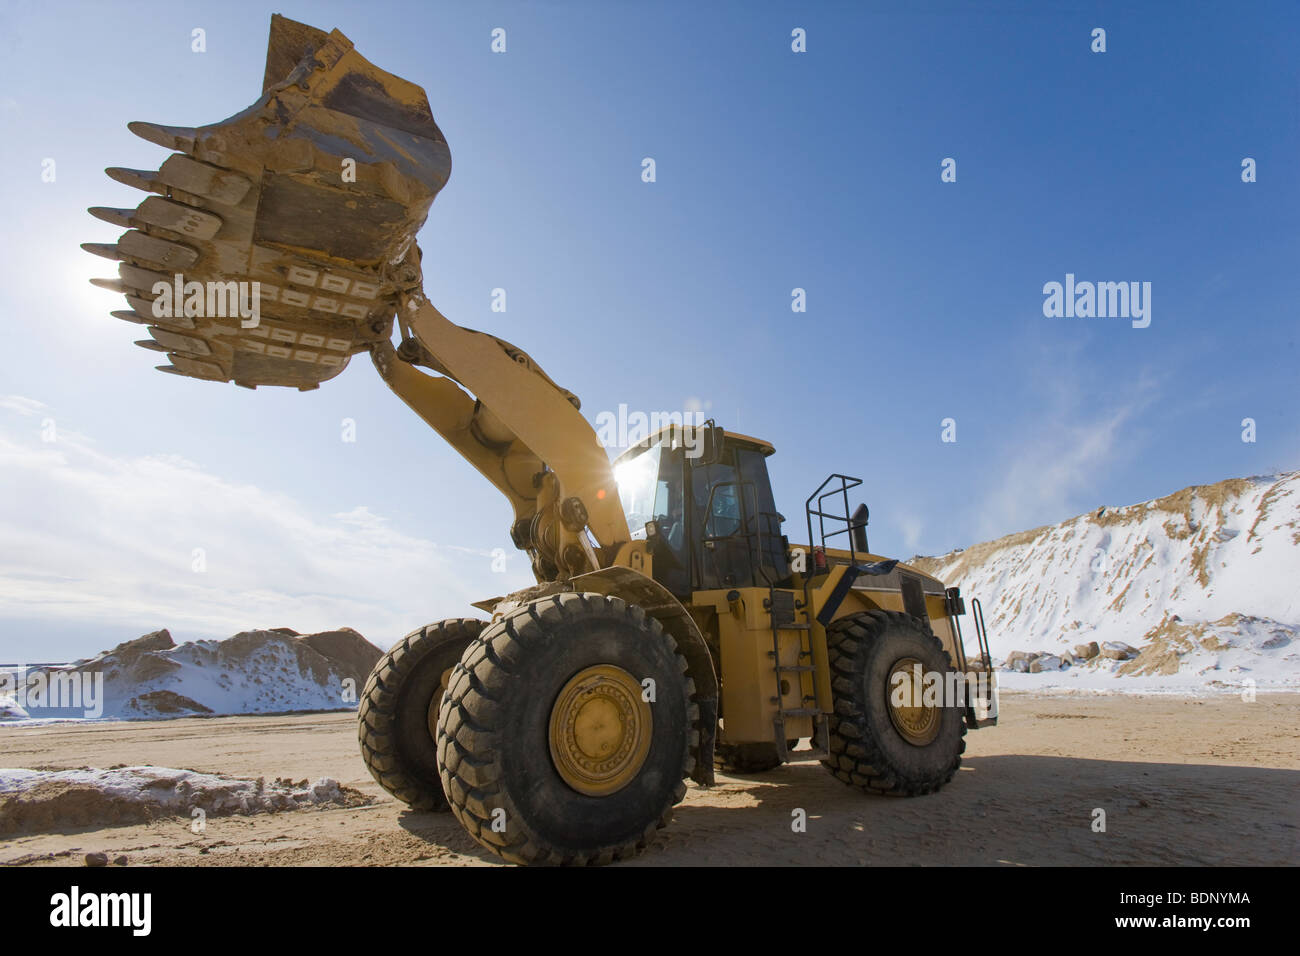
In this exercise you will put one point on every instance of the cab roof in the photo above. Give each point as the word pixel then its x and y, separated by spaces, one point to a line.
pixel 731 438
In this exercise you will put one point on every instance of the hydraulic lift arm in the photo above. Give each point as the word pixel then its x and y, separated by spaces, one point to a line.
pixel 521 431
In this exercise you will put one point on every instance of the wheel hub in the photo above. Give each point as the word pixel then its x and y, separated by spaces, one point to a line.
pixel 917 723
pixel 600 730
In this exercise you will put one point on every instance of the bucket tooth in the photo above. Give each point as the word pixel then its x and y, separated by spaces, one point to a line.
pixel 137 179
pixel 179 138
pixel 137 245
pixel 189 221
pixel 178 321
pixel 112 285
pixel 151 345
pixel 202 179
pixel 127 315
pixel 196 368
pixel 145 307
pixel 118 217
pixel 106 249
pixel 143 279
pixel 175 342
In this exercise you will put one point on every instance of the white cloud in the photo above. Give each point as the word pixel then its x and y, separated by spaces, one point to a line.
pixel 909 528
pixel 90 537
pixel 1061 454
pixel 1039 483
pixel 21 405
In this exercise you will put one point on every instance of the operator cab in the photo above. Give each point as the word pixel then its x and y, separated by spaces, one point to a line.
pixel 703 500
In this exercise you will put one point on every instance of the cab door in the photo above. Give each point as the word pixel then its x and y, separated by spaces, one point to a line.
pixel 738 543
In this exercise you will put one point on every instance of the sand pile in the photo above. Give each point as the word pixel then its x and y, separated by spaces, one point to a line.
pixel 253 672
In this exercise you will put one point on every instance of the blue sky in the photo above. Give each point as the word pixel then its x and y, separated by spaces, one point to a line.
pixel 775 170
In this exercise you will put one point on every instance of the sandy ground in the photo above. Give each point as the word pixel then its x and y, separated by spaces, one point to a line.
pixel 1182 780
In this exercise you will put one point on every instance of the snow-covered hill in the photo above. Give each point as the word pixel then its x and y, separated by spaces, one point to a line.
pixel 1204 582
pixel 252 672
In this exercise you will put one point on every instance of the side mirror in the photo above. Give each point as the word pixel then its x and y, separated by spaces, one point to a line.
pixel 707 443
pixel 714 437
pixel 858 523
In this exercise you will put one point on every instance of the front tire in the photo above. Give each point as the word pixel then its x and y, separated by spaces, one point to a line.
pixel 396 721
pixel 550 752
pixel 875 746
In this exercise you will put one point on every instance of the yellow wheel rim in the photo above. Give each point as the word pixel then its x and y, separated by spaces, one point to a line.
pixel 917 723
pixel 600 730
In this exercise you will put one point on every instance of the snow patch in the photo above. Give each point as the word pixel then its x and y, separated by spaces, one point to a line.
pixel 46 800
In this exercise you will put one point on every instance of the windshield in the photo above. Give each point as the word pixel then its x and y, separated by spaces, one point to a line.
pixel 638 488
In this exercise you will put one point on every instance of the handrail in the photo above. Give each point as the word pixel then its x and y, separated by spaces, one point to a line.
pixel 846 482
pixel 981 634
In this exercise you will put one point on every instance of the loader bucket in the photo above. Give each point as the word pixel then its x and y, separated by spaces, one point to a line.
pixel 275 243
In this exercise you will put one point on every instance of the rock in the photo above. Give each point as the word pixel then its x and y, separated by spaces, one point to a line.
pixel 325 790
pixel 96 859
pixel 1086 652
pixel 1045 662
pixel 157 641
pixel 120 861
pixel 1118 651
pixel 1020 665
pixel 349 654
pixel 1067 660
pixel 166 702
pixel 1019 656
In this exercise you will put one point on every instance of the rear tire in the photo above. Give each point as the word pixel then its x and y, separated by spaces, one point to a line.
pixel 868 750
pixel 548 749
pixel 748 758
pixel 397 718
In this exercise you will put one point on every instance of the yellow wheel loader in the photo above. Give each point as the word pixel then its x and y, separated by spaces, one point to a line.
pixel 672 625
